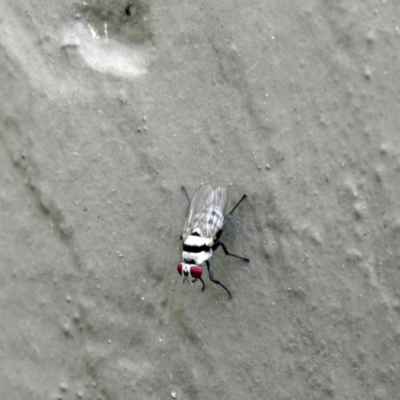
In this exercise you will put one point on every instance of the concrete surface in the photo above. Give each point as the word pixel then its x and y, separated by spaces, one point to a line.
pixel 105 115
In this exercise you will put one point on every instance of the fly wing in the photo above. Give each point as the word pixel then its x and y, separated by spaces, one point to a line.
pixel 198 205
pixel 206 212
pixel 215 214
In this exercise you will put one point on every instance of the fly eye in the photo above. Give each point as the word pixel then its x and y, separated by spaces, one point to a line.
pixel 195 271
pixel 179 268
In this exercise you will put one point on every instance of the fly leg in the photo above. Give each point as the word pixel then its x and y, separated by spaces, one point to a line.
pixel 216 245
pixel 226 220
pixel 202 283
pixel 211 275
pixel 229 216
pixel 186 194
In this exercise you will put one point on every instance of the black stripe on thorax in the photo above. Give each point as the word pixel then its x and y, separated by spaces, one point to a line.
pixel 196 249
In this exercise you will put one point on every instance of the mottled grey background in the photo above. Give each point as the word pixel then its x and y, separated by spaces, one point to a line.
pixel 105 115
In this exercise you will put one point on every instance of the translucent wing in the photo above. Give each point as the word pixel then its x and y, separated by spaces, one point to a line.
pixel 206 212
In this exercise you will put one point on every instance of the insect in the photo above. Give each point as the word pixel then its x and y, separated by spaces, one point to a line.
pixel 128 9
pixel 202 230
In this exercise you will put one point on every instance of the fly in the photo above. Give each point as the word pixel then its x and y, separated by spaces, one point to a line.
pixel 202 230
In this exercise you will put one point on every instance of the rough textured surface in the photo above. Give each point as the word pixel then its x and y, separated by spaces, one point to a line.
pixel 105 115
